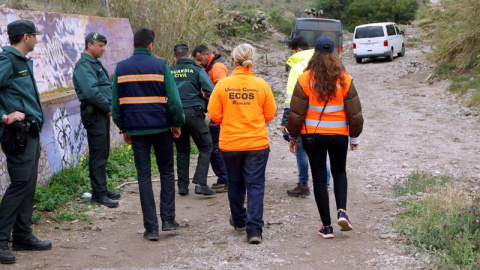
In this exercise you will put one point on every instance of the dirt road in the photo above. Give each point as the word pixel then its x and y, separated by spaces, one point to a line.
pixel 410 125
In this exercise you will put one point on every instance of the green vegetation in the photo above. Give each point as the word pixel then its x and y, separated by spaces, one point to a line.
pixel 453 30
pixel 356 12
pixel 72 183
pixel 444 223
pixel 420 182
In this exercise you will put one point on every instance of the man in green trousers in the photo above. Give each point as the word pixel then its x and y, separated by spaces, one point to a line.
pixel 94 90
pixel 21 123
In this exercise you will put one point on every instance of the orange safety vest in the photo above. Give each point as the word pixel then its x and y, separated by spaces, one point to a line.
pixel 334 118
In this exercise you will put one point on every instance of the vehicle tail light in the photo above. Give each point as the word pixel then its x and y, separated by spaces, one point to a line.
pixel 354 45
pixel 385 43
pixel 340 49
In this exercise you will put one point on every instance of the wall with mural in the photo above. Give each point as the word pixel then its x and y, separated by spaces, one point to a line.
pixel 63 139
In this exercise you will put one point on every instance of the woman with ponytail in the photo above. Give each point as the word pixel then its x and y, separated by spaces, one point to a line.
pixel 242 104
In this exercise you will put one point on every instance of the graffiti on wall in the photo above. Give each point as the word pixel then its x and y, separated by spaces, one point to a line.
pixel 63 41
pixel 63 139
pixel 70 140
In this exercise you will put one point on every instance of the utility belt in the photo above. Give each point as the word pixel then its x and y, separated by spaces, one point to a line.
pixel 15 135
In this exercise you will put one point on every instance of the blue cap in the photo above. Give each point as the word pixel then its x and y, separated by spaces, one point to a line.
pixel 324 44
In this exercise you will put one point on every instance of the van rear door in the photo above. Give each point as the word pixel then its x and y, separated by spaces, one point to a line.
pixel 312 28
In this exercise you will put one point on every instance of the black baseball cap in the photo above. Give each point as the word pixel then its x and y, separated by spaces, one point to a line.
pixel 324 44
pixel 20 27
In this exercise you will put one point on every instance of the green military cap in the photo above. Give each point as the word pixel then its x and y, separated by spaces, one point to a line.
pixel 20 27
pixel 97 37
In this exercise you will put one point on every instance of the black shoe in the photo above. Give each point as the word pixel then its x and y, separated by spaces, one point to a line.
pixel 238 229
pixel 6 256
pixel 151 235
pixel 32 243
pixel 254 239
pixel 183 191
pixel 204 190
pixel 104 200
pixel 113 195
pixel 170 225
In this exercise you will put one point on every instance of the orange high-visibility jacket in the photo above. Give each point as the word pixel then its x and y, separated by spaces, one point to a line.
pixel 334 118
pixel 242 104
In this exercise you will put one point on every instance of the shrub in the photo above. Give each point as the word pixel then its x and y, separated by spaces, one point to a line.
pixel 174 21
pixel 453 30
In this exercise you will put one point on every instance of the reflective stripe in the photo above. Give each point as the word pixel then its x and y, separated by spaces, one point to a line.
pixel 288 96
pixel 141 78
pixel 143 100
pixel 287 105
pixel 328 109
pixel 326 124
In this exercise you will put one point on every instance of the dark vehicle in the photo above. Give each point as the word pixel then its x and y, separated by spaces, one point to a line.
pixel 312 28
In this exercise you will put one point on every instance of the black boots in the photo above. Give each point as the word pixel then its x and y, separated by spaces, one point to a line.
pixel 31 243
pixel 5 255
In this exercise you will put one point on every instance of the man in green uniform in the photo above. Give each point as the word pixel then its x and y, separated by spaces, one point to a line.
pixel 94 90
pixel 193 83
pixel 21 123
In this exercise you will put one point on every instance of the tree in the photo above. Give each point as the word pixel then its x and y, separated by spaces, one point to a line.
pixel 371 11
pixel 333 9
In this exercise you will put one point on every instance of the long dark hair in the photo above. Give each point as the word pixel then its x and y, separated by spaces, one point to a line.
pixel 326 68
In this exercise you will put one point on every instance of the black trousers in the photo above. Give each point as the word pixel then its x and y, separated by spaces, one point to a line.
pixel 317 146
pixel 17 203
pixel 195 127
pixel 162 144
pixel 98 134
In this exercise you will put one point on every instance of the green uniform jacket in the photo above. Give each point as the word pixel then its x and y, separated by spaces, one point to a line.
pixel 192 82
pixel 174 104
pixel 18 91
pixel 92 84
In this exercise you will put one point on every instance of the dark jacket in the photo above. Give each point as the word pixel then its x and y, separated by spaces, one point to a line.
pixel 299 106
pixel 92 83
pixel 18 89
pixel 192 82
pixel 145 97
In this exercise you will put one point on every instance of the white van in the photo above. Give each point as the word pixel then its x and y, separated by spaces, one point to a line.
pixel 377 40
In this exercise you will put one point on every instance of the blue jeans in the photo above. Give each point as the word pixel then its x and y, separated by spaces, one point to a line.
pixel 162 144
pixel 216 160
pixel 302 164
pixel 246 176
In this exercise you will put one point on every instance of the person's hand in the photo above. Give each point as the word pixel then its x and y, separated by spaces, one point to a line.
pixel 126 138
pixel 14 117
pixel 293 147
pixel 353 147
pixel 176 131
pixel 283 128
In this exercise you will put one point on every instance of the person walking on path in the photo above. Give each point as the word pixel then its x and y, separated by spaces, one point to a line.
pixel 216 69
pixel 20 127
pixel 193 83
pixel 242 104
pixel 298 62
pixel 147 109
pixel 94 90
pixel 326 110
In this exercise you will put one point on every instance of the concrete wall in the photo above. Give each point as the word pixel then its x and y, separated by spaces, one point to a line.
pixel 63 140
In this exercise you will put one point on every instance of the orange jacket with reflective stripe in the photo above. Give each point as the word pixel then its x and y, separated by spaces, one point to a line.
pixel 242 104
pixel 334 118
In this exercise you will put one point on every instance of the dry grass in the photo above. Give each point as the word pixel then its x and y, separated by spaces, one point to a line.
pixel 173 21
pixel 453 29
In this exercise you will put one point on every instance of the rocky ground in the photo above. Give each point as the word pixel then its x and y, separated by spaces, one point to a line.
pixel 411 124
